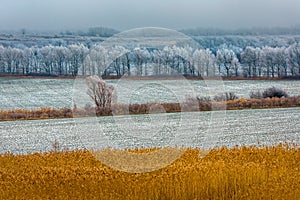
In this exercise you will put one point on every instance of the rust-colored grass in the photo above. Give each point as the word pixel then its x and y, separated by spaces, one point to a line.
pixel 275 102
pixel 42 113
pixel 133 109
pixel 238 173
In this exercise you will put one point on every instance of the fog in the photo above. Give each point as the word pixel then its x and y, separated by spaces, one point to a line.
pixel 127 14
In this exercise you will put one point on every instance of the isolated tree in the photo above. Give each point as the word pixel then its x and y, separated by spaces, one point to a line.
pixel 100 92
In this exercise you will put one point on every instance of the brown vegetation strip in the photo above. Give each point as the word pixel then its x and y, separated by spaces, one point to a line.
pixel 238 173
pixel 122 109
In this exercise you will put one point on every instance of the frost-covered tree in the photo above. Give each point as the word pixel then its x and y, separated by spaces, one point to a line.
pixel 125 61
pixel 269 61
pixel 204 62
pixel 27 61
pixel 167 56
pixel 8 58
pixel 19 56
pixel 157 59
pixel 61 55
pixel 88 66
pixel 294 58
pixel 281 60
pixel 98 56
pixel 99 91
pixel 115 61
pixel 187 58
pixel 47 60
pixel 236 66
pixel 141 57
pixel 77 55
pixel 2 62
pixel 226 59
pixel 251 59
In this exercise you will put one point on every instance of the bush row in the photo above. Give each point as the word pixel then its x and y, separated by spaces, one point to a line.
pixel 228 96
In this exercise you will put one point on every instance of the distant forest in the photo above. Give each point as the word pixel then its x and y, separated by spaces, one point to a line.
pixel 246 52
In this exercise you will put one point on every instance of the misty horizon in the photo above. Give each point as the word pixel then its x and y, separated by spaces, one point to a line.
pixel 79 30
pixel 77 15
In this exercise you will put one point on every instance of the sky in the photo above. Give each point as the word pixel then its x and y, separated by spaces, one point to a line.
pixel 128 14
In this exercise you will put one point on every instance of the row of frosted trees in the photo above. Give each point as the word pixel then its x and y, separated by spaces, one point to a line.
pixel 76 60
pixel 48 60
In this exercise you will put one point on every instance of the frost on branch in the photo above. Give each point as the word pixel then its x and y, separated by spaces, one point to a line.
pixel 100 92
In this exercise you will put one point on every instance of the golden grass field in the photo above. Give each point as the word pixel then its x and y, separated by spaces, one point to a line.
pixel 237 173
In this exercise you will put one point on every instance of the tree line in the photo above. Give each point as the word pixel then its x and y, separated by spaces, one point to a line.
pixel 258 31
pixel 78 59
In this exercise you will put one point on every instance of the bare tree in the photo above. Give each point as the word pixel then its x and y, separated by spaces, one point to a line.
pixel 100 92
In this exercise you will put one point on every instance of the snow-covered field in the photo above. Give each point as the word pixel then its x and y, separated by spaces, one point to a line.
pixel 203 129
pixel 37 93
pixel 199 129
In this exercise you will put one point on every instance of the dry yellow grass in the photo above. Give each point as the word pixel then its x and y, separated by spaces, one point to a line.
pixel 238 173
